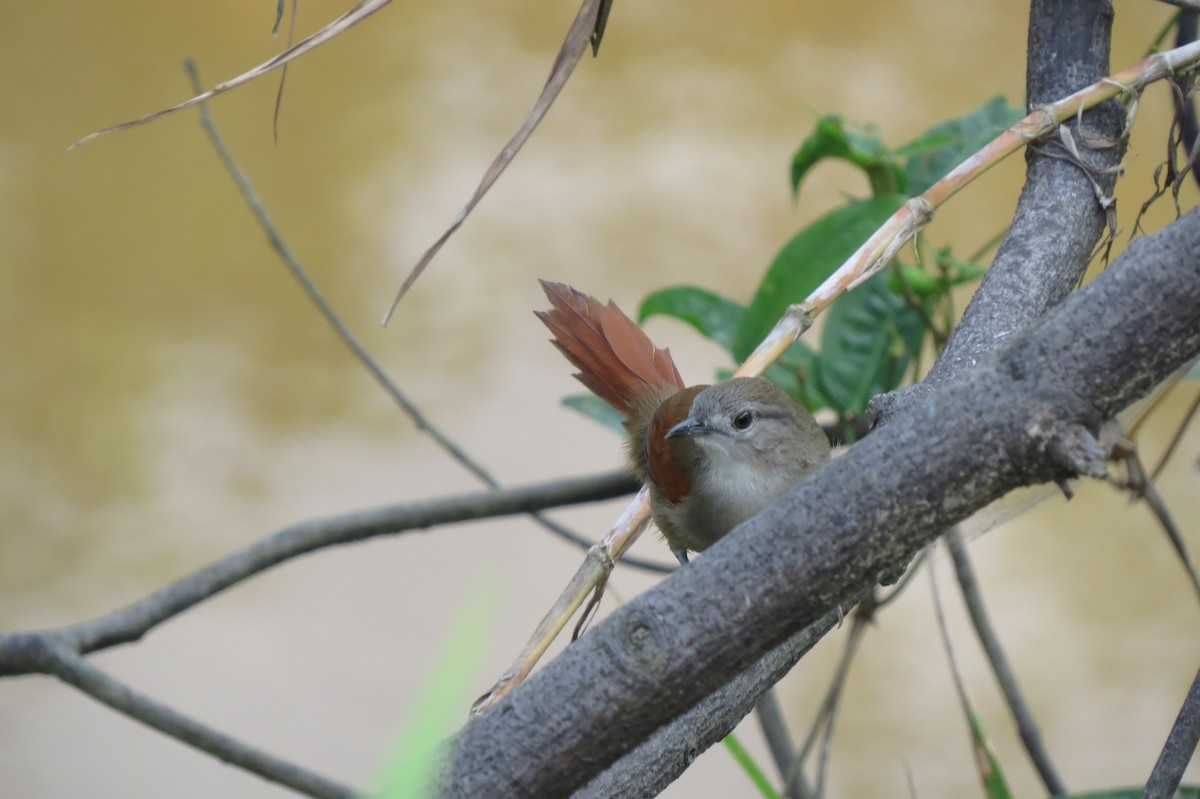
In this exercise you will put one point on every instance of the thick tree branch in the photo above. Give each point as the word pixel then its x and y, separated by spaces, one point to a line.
pixel 1058 219
pixel 655 764
pixel 859 519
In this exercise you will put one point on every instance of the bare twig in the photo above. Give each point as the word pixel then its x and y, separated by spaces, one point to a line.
pixel 355 15
pixel 1143 485
pixel 1175 439
pixel 1179 748
pixel 72 669
pixel 822 726
pixel 587 27
pixel 1027 727
pixel 1190 5
pixel 779 741
pixel 58 652
pixel 981 747
pixel 291 37
pixel 381 377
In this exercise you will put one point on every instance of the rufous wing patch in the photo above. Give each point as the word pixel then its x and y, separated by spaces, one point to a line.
pixel 666 460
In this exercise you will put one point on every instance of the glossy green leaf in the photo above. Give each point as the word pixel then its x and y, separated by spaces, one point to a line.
pixel 805 261
pixel 833 138
pixel 961 137
pixel 714 316
pixel 596 409
pixel 869 338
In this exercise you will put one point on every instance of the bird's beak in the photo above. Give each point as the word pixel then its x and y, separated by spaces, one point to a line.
pixel 689 427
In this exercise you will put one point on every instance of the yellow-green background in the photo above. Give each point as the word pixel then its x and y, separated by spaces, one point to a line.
pixel 167 394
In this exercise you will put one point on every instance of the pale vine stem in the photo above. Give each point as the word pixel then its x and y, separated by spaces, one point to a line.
pixel 871 257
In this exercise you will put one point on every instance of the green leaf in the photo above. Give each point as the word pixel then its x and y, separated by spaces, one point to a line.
pixel 994 784
pixel 714 316
pixel 833 138
pixel 961 137
pixel 752 769
pixel 596 409
pixel 805 261
pixel 918 281
pixel 869 338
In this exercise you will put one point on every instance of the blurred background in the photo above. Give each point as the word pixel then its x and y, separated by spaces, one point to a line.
pixel 168 394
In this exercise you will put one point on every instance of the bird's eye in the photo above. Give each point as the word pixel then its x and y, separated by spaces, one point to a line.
pixel 743 420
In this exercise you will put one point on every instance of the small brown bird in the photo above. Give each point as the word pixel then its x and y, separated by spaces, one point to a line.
pixel 712 456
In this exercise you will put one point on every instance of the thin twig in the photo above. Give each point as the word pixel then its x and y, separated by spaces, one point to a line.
pixel 1175 439
pixel 1179 749
pixel 779 741
pixel 1027 727
pixel 794 783
pixel 282 73
pixel 1191 5
pixel 981 748
pixel 69 667
pixel 588 26
pixel 390 386
pixel 1143 485
pixel 918 307
pixel 19 651
pixel 823 722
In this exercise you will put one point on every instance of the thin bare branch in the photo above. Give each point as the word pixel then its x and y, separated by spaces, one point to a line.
pixel 1190 5
pixel 1177 437
pixel 72 669
pixel 981 747
pixel 340 25
pixel 352 343
pixel 291 37
pixel 1143 486
pixel 779 742
pixel 1179 749
pixel 131 623
pixel 586 28
pixel 1027 727
pixel 822 726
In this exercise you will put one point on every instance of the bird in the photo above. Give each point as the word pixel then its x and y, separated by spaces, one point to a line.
pixel 712 456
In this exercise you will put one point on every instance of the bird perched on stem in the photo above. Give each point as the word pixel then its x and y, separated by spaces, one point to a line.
pixel 712 456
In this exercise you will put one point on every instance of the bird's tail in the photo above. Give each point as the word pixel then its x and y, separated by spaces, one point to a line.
pixel 616 360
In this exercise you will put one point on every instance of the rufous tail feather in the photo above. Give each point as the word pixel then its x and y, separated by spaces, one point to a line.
pixel 615 358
